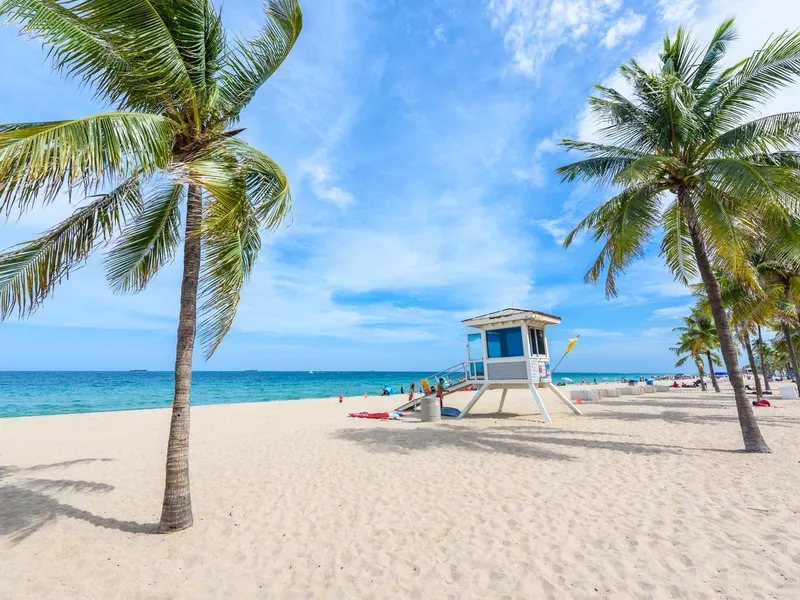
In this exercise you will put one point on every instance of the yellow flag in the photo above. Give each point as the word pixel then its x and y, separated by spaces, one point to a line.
pixel 571 345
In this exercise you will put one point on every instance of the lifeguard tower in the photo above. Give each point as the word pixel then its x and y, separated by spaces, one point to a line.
pixel 506 349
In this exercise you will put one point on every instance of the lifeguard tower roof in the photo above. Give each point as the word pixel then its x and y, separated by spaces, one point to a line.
pixel 511 315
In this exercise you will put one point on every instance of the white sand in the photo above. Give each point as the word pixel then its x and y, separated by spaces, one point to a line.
pixel 639 498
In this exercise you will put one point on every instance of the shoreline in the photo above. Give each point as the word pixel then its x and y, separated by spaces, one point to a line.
pixel 398 397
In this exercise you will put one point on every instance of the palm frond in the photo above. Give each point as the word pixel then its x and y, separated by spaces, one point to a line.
pixel 38 159
pixel 75 48
pixel 676 247
pixel 251 62
pixel 715 52
pixel 625 223
pixel 266 184
pixel 148 243
pixel 229 255
pixel 145 38
pixel 757 79
pixel 29 272
pixel 760 136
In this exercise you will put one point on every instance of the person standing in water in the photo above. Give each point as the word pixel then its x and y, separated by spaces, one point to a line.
pixel 440 392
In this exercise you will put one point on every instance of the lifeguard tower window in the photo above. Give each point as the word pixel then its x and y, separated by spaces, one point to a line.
pixel 537 342
pixel 504 343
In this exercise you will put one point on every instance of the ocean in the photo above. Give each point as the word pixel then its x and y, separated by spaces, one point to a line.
pixel 29 393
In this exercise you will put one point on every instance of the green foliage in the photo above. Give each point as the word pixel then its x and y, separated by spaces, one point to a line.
pixel 178 86
pixel 687 152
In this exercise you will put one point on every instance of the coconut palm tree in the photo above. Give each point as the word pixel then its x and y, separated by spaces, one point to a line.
pixel 689 155
pixel 763 350
pixel 699 332
pixel 687 349
pixel 168 148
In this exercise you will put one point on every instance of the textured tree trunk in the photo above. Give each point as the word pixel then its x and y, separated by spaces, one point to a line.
pixel 749 348
pixel 751 434
pixel 713 376
pixel 787 333
pixel 176 512
pixel 765 370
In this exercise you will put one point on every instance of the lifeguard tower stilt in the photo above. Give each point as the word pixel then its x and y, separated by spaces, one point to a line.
pixel 510 352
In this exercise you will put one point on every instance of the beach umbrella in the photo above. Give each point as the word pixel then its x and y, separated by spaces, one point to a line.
pixel 567 380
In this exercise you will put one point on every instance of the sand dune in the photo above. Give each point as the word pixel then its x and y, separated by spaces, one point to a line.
pixel 641 497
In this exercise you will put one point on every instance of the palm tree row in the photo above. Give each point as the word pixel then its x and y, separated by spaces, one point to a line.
pixel 692 160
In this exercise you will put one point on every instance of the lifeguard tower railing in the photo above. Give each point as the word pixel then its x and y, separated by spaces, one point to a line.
pixel 469 370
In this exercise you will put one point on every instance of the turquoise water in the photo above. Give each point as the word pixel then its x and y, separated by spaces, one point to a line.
pixel 27 393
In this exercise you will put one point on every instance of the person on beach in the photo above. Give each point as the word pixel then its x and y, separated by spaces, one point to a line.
pixel 440 392
pixel 411 390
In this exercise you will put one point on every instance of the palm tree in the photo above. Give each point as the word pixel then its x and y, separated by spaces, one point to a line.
pixel 763 350
pixel 699 332
pixel 178 87
pixel 688 159
pixel 686 349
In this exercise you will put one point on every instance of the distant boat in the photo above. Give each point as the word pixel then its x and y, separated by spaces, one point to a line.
pixel 311 372
pixel 138 370
pixel 251 370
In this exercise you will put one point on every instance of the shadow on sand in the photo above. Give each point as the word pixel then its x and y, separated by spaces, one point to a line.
pixel 527 441
pixel 26 505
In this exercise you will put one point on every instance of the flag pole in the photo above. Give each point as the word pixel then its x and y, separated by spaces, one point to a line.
pixel 569 349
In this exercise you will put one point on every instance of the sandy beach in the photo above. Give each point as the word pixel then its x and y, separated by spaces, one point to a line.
pixel 641 497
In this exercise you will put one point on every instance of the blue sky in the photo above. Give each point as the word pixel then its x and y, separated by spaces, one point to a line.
pixel 420 142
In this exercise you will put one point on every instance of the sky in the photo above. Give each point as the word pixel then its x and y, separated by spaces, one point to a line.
pixel 420 138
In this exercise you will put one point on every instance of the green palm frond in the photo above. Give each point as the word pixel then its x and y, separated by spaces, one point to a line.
pixel 251 62
pixel 37 159
pixel 723 36
pixel 75 48
pixel 148 243
pixel 229 255
pixel 625 223
pixel 760 135
pixel 141 32
pixel 29 272
pixel 676 247
pixel 266 184
pixel 774 67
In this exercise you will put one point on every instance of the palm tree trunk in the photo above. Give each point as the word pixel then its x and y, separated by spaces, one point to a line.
pixel 765 370
pixel 749 348
pixel 698 361
pixel 787 333
pixel 711 372
pixel 176 512
pixel 751 434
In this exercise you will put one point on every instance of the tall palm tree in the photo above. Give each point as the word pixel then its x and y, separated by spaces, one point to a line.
pixel 178 87
pixel 698 330
pixel 689 159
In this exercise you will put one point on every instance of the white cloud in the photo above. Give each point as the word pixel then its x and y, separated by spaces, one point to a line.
pixel 323 182
pixel 535 173
pixel 439 36
pixel 628 25
pixel 677 11
pixel 534 29
pixel 672 312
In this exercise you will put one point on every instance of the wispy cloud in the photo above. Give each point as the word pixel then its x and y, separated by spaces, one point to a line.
pixel 534 29
pixel 630 24
pixel 323 181
pixel 672 312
